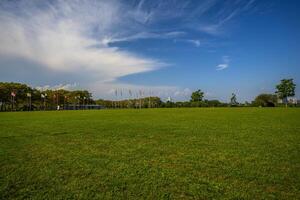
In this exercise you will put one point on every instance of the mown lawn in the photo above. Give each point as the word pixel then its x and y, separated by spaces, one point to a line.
pixel 208 153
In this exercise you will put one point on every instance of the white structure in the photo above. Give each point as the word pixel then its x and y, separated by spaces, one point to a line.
pixel 169 99
pixel 292 100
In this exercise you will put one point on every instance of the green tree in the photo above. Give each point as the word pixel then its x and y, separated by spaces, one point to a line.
pixel 19 89
pixel 214 103
pixel 197 96
pixel 285 89
pixel 265 100
pixel 50 99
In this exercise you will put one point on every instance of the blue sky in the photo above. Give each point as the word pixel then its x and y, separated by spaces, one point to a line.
pixel 165 48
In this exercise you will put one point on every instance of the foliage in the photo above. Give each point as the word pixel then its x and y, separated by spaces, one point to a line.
pixel 197 96
pixel 213 153
pixel 68 99
pixel 265 100
pixel 52 97
pixel 215 103
pixel 286 88
pixel 146 102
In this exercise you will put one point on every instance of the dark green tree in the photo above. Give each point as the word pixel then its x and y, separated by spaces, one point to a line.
pixel 197 96
pixel 27 98
pixel 265 100
pixel 285 89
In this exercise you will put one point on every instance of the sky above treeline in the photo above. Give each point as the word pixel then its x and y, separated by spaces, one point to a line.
pixel 164 48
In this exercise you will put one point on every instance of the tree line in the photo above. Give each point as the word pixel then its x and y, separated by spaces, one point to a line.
pixel 21 97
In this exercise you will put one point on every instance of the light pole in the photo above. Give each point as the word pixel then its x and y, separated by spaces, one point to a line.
pixel 74 105
pixel 149 106
pixel 54 97
pixel 65 98
pixel 29 100
pixel 116 93
pixel 84 105
pixel 45 96
pixel 13 94
pixel 141 99
pixel 42 100
pixel 78 101
pixel 57 101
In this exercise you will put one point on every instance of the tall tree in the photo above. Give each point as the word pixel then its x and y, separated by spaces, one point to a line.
pixel 197 96
pixel 285 89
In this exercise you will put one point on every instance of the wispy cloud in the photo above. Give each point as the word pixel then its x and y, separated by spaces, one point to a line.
pixel 194 42
pixel 217 19
pixel 197 43
pixel 223 65
pixel 80 37
pixel 144 35
pixel 69 35
pixel 67 86
pixel 182 93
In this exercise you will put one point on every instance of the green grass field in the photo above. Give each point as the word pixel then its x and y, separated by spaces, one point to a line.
pixel 208 153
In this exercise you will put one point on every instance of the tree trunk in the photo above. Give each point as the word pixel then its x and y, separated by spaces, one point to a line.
pixel 286 102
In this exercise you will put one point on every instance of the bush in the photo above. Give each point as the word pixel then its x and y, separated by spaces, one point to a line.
pixel 265 100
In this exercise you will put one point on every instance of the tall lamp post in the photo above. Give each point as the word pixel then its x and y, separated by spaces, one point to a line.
pixel 65 100
pixel 74 105
pixel 78 97
pixel 13 95
pixel 78 101
pixel 43 96
pixel 84 105
pixel 140 99
pixel 29 100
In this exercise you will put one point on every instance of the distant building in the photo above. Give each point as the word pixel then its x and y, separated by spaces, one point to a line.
pixel 290 100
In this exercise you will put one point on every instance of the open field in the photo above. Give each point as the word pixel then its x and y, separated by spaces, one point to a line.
pixel 246 153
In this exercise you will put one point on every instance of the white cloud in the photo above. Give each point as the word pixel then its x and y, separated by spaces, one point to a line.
pixel 226 59
pixel 222 66
pixel 73 36
pixel 144 35
pixel 67 86
pixel 194 42
pixel 197 43
pixel 227 12
pixel 213 29
pixel 225 63
pixel 186 92
pixel 76 36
